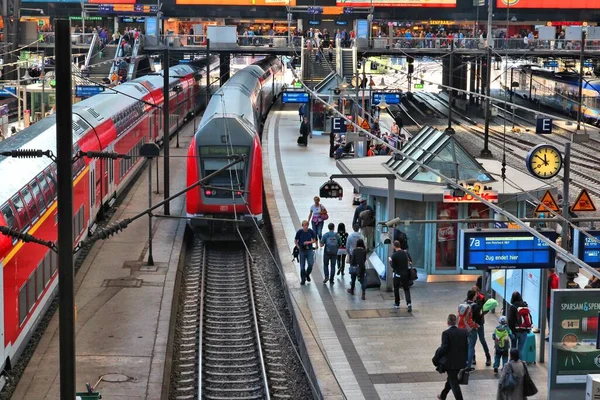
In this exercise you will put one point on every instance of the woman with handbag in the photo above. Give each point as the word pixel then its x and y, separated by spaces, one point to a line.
pixel 515 382
pixel 341 258
pixel 317 217
pixel 358 268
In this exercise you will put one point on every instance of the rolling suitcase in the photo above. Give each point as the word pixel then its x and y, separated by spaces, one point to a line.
pixel 302 141
pixel 529 350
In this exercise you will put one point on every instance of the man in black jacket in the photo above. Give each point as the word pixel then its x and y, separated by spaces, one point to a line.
pixel 454 347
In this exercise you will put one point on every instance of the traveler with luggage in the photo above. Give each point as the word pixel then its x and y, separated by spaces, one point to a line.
pixel 479 319
pixel 341 258
pixel 317 217
pixel 502 337
pixel 512 382
pixel 304 132
pixel 332 242
pixel 304 240
pixel 453 356
pixel 358 267
pixel 467 312
pixel 520 323
pixel 400 263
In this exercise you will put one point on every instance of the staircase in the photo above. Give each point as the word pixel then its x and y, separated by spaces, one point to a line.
pixel 315 71
pixel 347 64
pixel 100 66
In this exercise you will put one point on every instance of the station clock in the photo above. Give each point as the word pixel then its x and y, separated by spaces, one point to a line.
pixel 544 161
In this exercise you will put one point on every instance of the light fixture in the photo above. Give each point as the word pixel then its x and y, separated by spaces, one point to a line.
pixel 26 77
pixel 344 83
pixel 449 131
pixel 382 104
pixel 382 82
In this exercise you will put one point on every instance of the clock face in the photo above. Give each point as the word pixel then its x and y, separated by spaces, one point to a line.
pixel 544 161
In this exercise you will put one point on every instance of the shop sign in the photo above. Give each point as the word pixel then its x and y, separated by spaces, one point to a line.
pixel 558 4
pixel 573 339
pixel 438 22
pixel 397 3
pixel 478 188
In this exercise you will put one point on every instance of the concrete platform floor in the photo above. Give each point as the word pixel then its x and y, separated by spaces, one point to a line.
pixel 365 349
pixel 123 306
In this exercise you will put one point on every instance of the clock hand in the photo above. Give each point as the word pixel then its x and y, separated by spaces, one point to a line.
pixel 543 159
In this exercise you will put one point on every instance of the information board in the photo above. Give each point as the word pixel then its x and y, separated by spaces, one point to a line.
pixel 573 340
pixel 127 8
pixel 504 248
pixel 362 29
pixel 8 91
pixel 390 98
pixel 87 91
pixel 397 3
pixel 547 4
pixel 295 97
pixel 587 249
pixel 280 3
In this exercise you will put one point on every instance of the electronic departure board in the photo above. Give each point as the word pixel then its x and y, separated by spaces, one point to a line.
pixel 127 8
pixel 588 249
pixel 505 248
pixel 390 98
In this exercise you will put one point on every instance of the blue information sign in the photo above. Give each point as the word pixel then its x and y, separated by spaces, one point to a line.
pixel 588 250
pixel 87 91
pixel 505 248
pixel 338 125
pixel 295 97
pixel 390 98
pixel 8 90
pixel 314 10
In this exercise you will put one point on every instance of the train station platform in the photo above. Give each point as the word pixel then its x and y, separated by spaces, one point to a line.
pixel 359 349
pixel 123 306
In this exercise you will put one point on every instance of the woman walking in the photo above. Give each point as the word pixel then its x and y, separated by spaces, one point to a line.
pixel 317 217
pixel 519 370
pixel 358 269
pixel 341 258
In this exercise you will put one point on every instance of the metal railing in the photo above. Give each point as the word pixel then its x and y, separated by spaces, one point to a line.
pixel 94 43
pixel 134 58
pixel 114 66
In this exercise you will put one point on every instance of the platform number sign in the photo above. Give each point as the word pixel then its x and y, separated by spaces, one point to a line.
pixel 543 126
pixel 331 190
pixel 338 125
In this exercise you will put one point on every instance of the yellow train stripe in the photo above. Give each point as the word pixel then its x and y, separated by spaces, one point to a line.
pixel 40 221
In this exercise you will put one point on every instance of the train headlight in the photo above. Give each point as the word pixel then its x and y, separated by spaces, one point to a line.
pixel 238 193
pixel 208 192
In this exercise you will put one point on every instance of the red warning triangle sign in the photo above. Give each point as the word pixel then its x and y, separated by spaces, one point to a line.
pixel 549 203
pixel 583 202
pixel 365 125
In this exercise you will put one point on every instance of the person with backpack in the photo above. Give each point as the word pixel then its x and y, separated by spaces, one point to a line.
pixel 553 282
pixel 479 319
pixel 517 369
pixel 367 227
pixel 519 320
pixel 317 217
pixel 502 337
pixel 400 262
pixel 402 238
pixel 341 258
pixel 358 267
pixel 304 240
pixel 332 242
pixel 466 321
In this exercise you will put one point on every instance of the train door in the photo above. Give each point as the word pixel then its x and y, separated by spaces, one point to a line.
pixel 111 172
pixel 92 188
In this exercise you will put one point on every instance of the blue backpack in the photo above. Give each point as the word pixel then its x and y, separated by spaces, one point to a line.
pixel 331 245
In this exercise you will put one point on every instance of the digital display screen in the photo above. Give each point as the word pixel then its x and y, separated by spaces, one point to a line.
pixel 280 3
pixel 390 98
pixel 222 150
pixel 498 249
pixel 127 8
pixel 295 97
pixel 547 4
pixel 88 91
pixel 588 250
pixel 397 3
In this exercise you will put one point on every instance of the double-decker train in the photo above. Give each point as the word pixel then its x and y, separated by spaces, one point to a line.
pixel 231 126
pixel 558 90
pixel 119 120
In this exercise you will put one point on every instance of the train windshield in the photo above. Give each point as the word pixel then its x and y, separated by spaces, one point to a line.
pixel 213 158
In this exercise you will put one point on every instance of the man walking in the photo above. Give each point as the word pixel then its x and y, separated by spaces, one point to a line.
pixel 367 225
pixel 454 348
pixel 400 261
pixel 332 242
pixel 305 238
pixel 305 130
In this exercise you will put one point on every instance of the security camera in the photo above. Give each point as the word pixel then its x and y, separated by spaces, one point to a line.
pixel 385 238
pixel 392 222
pixel 42 12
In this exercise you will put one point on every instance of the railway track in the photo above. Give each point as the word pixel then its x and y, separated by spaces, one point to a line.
pixel 221 352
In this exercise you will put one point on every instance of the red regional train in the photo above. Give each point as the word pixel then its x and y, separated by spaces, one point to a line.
pixel 231 125
pixel 109 121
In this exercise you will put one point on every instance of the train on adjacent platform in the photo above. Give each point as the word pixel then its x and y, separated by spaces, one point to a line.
pixel 557 90
pixel 115 120
pixel 231 126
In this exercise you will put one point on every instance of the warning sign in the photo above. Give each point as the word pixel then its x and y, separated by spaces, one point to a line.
pixel 583 202
pixel 549 203
pixel 365 125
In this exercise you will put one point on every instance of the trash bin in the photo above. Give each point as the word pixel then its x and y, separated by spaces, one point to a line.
pixel 88 396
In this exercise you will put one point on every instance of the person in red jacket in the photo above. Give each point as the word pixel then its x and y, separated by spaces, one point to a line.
pixel 552 284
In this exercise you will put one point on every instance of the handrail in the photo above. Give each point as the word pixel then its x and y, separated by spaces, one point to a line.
pixel 90 53
pixel 325 81
pixel 113 67
pixel 133 60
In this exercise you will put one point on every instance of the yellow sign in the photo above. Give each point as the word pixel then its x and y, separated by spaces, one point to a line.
pixel 583 202
pixel 365 125
pixel 549 203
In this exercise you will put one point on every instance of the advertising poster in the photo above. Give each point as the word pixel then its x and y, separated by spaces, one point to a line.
pixel 362 29
pixel 396 3
pixel 498 282
pixel 573 336
pixel 547 4
pixel 531 293
pixel 514 279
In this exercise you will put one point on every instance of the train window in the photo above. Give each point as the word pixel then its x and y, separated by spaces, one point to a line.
pixel 51 182
pixel 31 292
pixel 81 219
pixel 37 194
pixel 39 279
pixel 30 203
pixel 21 211
pixel 54 259
pixel 47 192
pixel 9 216
pixel 47 267
pixel 22 304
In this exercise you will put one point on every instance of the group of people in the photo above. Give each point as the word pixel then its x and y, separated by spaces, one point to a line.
pixel 456 355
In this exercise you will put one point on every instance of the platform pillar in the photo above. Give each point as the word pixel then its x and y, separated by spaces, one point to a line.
pixel 225 67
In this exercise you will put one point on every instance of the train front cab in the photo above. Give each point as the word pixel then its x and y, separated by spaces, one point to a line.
pixel 232 199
